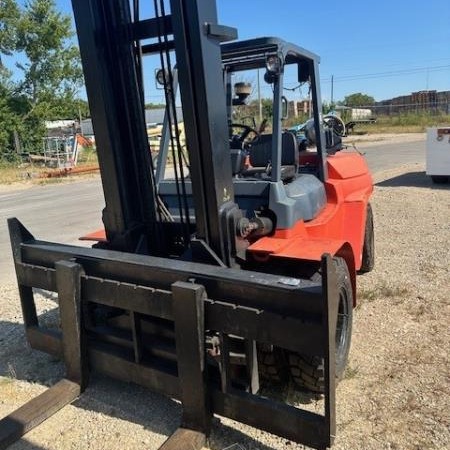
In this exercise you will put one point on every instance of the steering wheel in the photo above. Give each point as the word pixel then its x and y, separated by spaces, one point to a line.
pixel 243 138
pixel 336 123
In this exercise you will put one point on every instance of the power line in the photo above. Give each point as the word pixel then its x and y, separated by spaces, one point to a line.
pixel 390 73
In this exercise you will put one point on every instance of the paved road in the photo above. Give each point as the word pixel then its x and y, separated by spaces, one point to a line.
pixel 63 212
pixel 53 212
pixel 386 156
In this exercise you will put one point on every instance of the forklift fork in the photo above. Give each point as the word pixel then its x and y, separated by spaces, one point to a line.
pixel 40 408
pixel 294 314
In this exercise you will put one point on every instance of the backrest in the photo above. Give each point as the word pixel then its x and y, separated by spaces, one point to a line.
pixel 261 151
pixel 289 149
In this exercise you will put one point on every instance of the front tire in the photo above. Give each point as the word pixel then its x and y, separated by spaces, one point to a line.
pixel 307 372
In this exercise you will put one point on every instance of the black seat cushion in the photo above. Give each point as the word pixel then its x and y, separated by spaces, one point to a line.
pixel 261 151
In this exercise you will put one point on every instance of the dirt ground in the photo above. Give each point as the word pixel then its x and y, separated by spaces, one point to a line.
pixel 395 391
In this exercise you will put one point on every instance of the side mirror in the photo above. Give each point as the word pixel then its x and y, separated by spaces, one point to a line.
pixel 284 108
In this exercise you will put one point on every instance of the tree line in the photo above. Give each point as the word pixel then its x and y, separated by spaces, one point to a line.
pixel 40 73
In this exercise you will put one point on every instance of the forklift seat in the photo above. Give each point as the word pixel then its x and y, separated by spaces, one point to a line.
pixel 261 155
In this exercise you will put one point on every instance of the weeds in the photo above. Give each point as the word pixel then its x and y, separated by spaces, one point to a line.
pixel 4 381
pixel 12 172
pixel 11 371
pixel 350 372
pixel 383 290
pixel 404 123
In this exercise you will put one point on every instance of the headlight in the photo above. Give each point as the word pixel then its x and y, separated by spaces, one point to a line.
pixel 161 76
pixel 273 64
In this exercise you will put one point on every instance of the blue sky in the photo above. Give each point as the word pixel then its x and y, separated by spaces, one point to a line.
pixel 382 48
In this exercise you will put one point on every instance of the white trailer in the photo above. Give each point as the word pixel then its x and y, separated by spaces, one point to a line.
pixel 438 154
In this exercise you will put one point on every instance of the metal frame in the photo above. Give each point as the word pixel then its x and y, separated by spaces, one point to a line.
pixel 297 315
pixel 108 40
pixel 251 54
pixel 72 349
pixel 197 46
pixel 117 108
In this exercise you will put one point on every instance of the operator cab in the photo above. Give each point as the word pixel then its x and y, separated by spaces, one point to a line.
pixel 265 156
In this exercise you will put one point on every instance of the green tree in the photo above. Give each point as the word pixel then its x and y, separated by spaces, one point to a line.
pixel 267 107
pixel 358 99
pixel 48 74
pixel 9 122
pixel 68 108
pixel 9 14
pixel 155 105
pixel 52 70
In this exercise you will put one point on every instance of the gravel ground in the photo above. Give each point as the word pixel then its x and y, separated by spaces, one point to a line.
pixel 394 394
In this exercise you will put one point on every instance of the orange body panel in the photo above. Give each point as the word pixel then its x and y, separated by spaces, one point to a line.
pixel 339 224
pixel 97 236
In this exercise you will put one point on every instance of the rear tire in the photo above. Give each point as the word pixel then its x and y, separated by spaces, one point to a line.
pixel 368 253
pixel 307 372
pixel 272 365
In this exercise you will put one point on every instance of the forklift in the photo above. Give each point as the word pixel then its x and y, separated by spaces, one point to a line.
pixel 226 265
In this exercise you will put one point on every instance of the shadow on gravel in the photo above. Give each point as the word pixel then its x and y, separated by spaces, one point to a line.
pixel 24 444
pixel 413 179
pixel 19 361
pixel 104 395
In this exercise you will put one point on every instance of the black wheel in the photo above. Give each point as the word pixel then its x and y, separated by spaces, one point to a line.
pixel 272 365
pixel 439 179
pixel 368 254
pixel 336 123
pixel 307 371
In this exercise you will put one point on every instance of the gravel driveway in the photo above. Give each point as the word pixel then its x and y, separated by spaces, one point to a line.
pixel 394 394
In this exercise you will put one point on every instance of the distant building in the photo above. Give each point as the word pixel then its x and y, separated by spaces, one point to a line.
pixel 429 101
pixel 299 108
pixel 60 128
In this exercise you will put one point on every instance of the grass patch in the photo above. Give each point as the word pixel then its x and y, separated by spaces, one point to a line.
pixel 45 181
pixel 13 173
pixel 16 172
pixel 404 123
pixel 350 372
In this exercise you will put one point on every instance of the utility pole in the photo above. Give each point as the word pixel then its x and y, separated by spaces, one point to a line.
pixel 259 99
pixel 332 91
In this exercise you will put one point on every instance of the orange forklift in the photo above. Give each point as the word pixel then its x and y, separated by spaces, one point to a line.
pixel 226 265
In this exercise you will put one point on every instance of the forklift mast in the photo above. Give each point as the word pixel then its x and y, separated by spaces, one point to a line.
pixel 110 50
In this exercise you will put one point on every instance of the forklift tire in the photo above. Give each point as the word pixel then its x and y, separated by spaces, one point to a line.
pixel 368 253
pixel 272 365
pixel 307 372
